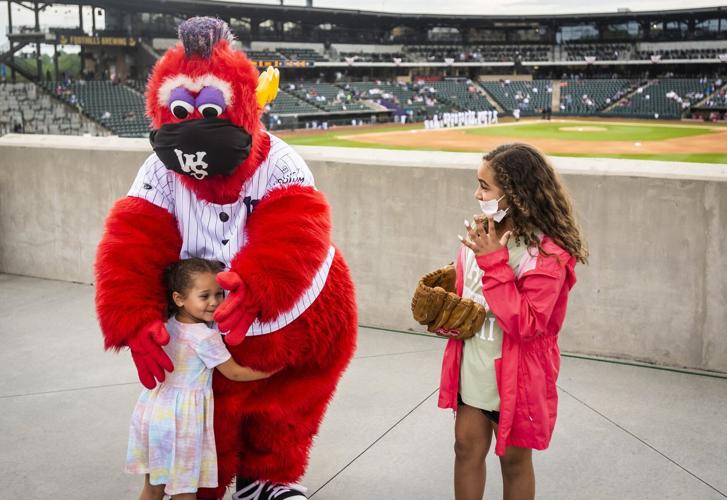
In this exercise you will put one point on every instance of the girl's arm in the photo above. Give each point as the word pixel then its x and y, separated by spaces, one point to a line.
pixel 231 370
pixel 523 311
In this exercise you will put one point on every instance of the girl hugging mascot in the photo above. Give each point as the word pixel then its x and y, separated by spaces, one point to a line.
pixel 219 187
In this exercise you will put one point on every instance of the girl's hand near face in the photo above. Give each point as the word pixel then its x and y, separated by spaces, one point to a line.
pixel 482 239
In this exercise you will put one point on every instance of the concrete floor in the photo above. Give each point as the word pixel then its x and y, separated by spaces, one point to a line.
pixel 623 431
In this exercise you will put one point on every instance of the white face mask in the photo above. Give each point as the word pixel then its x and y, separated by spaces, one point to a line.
pixel 491 209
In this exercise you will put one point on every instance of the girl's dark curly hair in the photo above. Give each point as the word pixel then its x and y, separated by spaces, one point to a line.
pixel 179 276
pixel 538 201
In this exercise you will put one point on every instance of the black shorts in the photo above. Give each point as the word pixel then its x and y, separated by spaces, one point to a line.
pixel 494 416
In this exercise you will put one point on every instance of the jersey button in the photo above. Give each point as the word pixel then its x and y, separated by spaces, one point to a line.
pixel 224 217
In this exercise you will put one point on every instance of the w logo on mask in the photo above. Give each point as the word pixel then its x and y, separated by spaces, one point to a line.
pixel 193 164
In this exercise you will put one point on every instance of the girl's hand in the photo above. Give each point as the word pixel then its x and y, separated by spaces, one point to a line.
pixel 483 241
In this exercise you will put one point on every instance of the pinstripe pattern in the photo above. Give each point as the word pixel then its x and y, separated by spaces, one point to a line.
pixel 217 232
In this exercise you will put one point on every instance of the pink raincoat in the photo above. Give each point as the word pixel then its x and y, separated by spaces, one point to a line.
pixel 530 309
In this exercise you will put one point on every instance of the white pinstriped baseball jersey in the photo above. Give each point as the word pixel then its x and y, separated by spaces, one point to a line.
pixel 217 232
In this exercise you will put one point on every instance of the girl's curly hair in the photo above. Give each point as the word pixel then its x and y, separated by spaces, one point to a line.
pixel 538 201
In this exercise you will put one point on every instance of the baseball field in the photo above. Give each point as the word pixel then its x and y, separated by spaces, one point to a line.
pixel 645 140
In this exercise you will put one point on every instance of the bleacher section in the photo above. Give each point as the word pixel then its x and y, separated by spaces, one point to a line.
pixel 664 98
pixel 327 97
pixel 113 105
pixel 719 97
pixel 682 53
pixel 301 55
pixel 496 53
pixel 138 85
pixel 372 57
pixel 415 100
pixel 584 97
pixel 26 106
pixel 460 95
pixel 120 107
pixel 528 96
pixel 286 103
pixel 601 51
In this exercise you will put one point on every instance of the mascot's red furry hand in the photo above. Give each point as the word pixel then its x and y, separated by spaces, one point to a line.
pixel 219 186
pixel 148 355
pixel 236 314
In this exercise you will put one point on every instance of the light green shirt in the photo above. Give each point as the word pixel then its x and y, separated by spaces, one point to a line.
pixel 477 383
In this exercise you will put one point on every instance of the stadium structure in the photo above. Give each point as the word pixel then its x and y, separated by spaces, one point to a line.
pixel 344 67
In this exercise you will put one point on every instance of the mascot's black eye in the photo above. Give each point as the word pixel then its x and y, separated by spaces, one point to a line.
pixel 181 109
pixel 210 110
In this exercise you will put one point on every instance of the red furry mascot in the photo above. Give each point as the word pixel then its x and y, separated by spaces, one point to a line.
pixel 218 186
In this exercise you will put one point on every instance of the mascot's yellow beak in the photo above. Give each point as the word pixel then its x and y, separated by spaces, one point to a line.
pixel 267 86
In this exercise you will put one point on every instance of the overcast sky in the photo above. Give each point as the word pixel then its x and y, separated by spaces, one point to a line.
pixel 63 15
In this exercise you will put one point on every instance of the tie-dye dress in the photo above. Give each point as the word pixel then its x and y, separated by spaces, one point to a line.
pixel 171 435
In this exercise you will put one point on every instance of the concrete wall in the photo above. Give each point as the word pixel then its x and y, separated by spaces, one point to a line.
pixel 655 289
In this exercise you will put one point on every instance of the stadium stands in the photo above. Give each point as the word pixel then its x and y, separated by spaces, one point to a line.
pixel 120 107
pixel 493 53
pixel 530 97
pixel 718 99
pixel 286 103
pixel 113 105
pixel 138 85
pixel 25 108
pixel 418 101
pixel 461 95
pixel 584 97
pixel 301 55
pixel 602 51
pixel 372 57
pixel 327 97
pixel 408 67
pixel 682 53
pixel 667 98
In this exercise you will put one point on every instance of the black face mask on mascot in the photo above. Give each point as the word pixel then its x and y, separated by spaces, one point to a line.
pixel 201 148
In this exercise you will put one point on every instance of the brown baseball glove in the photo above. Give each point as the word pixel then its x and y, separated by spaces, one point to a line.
pixel 445 313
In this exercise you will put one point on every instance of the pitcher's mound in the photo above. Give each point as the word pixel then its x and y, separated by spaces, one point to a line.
pixel 586 128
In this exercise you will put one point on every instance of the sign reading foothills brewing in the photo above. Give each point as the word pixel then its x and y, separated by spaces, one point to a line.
pixel 118 41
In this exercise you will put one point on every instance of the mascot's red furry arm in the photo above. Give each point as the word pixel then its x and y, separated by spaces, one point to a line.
pixel 139 241
pixel 289 236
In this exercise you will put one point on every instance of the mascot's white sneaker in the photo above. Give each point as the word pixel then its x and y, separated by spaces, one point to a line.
pixel 265 490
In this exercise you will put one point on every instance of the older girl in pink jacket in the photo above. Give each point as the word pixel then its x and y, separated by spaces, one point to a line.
pixel 518 260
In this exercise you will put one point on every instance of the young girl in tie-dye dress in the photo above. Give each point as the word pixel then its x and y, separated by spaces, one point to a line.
pixel 171 437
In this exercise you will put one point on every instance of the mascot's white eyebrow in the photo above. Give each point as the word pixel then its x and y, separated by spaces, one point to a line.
pixel 194 85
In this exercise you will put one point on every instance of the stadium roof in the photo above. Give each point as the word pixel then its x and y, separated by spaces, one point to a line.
pixel 318 15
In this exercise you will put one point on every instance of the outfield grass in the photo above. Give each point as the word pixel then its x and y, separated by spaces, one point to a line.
pixel 615 132
pixel 331 138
